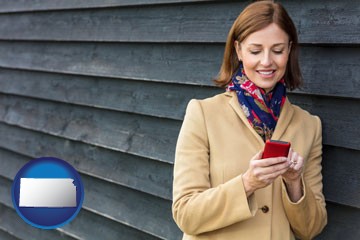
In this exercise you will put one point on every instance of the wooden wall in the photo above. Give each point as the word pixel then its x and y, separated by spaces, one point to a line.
pixel 104 84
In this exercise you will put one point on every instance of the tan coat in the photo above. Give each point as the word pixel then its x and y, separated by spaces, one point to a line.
pixel 214 147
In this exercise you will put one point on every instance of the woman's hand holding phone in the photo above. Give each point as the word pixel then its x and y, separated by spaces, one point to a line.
pixel 276 160
pixel 262 172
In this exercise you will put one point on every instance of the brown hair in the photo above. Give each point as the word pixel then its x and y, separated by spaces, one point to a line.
pixel 255 17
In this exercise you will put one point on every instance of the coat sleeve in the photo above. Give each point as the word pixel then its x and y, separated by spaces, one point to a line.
pixel 308 216
pixel 197 206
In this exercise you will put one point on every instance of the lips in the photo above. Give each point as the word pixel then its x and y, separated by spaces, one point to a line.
pixel 266 73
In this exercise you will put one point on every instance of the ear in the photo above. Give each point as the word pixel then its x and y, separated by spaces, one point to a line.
pixel 238 49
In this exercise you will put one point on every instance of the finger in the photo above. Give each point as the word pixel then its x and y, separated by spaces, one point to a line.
pixel 299 164
pixel 269 169
pixel 257 156
pixel 271 161
pixel 271 176
pixel 293 158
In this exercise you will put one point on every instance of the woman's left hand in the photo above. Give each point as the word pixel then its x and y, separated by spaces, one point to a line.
pixel 292 177
pixel 293 174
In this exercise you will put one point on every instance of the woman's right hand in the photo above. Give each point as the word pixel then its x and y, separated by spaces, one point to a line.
pixel 262 172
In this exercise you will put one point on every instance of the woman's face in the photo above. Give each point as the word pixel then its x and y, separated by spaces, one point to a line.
pixel 264 55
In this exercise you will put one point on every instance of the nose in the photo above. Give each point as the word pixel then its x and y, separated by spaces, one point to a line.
pixel 266 59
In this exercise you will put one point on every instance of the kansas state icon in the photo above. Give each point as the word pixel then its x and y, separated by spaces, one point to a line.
pixel 47 193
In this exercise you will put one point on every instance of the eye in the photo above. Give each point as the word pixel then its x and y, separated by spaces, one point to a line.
pixel 278 51
pixel 254 52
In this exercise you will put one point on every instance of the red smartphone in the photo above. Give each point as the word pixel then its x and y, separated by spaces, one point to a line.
pixel 274 148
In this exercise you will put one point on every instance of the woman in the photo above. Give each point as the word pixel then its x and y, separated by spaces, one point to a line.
pixel 223 189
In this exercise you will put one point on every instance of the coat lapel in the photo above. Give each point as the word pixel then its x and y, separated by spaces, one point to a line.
pixel 284 120
pixel 286 115
pixel 236 106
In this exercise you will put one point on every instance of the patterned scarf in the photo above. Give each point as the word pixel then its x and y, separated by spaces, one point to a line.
pixel 261 109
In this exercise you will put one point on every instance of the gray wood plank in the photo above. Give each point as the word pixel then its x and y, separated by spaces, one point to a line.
pixel 341 178
pixel 143 97
pixel 341 218
pixel 4 235
pixel 122 95
pixel 331 71
pixel 155 62
pixel 145 212
pixel 132 170
pixel 341 183
pixel 193 64
pixel 343 223
pixel 44 5
pixel 11 162
pixel 141 211
pixel 339 128
pixel 317 22
pixel 11 222
pixel 86 225
pixel 144 136
pixel 189 23
pixel 90 226
pixel 138 173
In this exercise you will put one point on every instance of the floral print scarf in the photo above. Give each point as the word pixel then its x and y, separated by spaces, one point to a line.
pixel 261 109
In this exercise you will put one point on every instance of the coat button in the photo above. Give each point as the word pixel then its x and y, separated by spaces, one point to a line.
pixel 265 209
